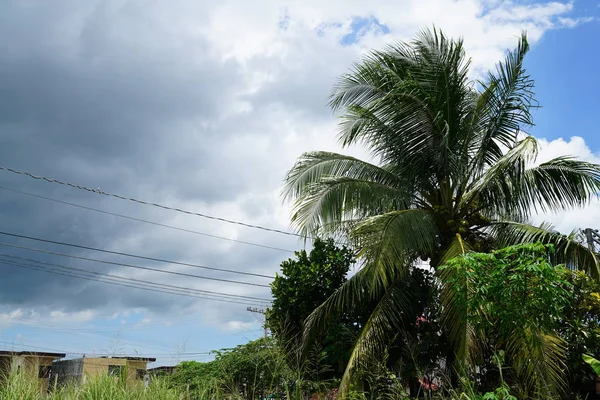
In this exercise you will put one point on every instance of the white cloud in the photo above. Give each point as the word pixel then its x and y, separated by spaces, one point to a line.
pixel 58 316
pixel 580 218
pixel 205 106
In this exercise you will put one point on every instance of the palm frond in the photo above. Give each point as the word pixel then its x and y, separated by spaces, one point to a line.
pixel 387 245
pixel 329 188
pixel 559 184
pixel 537 360
pixel 358 289
pixel 407 103
pixel 312 167
pixel 497 188
pixel 442 73
pixel 371 79
pixel 384 321
pixel 454 310
pixel 456 248
pixel 511 187
pixel 504 109
pixel 318 211
pixel 395 239
pixel 567 250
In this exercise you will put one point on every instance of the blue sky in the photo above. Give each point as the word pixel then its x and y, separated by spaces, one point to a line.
pixel 564 67
pixel 204 107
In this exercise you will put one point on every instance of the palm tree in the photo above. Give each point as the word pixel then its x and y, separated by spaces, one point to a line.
pixel 455 171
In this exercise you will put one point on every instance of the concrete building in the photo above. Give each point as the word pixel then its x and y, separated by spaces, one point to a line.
pixel 80 369
pixel 161 371
pixel 35 364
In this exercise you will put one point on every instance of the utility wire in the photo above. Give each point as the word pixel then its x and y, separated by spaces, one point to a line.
pixel 114 282
pixel 150 259
pixel 93 260
pixel 85 333
pixel 144 220
pixel 136 280
pixel 98 191
pixel 34 347
pixel 103 355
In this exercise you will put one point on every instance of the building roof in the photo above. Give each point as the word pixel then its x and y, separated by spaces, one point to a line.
pixel 31 354
pixel 147 359
pixel 167 368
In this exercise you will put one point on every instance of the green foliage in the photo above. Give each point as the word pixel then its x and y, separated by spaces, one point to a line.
pixel 580 327
pixel 304 283
pixel 195 376
pixel 592 362
pixel 254 370
pixel 250 370
pixel 468 391
pixel 511 300
pixel 421 346
pixel 455 175
pixel 20 386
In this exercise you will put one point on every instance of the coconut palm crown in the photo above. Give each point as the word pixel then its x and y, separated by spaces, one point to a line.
pixel 455 171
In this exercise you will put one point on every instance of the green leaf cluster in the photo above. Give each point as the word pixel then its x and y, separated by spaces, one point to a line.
pixel 510 300
pixel 455 172
pixel 250 370
pixel 304 283
pixel 580 328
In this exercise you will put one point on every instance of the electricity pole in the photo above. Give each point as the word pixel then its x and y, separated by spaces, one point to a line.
pixel 262 312
pixel 591 237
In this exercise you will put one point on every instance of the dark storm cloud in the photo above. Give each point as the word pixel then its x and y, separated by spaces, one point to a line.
pixel 115 93
pixel 111 97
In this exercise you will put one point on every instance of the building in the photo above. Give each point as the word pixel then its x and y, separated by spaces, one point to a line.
pixel 80 369
pixel 35 364
pixel 161 371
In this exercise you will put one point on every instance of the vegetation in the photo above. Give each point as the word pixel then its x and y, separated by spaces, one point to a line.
pixel 19 386
pixel 304 283
pixel 250 370
pixel 511 309
pixel 580 328
pixel 457 173
pixel 504 311
pixel 509 301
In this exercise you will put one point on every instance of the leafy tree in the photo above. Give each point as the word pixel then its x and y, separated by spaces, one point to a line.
pixel 580 328
pixel 251 371
pixel 194 375
pixel 422 346
pixel 304 283
pixel 456 172
pixel 511 301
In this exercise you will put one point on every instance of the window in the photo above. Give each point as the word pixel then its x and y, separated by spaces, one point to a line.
pixel 139 373
pixel 115 370
pixel 44 371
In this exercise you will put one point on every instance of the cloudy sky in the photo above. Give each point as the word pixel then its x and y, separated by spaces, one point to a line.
pixel 204 106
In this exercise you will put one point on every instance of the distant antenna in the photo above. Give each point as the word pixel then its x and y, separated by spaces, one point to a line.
pixel 262 312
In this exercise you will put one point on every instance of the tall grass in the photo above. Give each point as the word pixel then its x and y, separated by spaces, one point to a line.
pixel 18 386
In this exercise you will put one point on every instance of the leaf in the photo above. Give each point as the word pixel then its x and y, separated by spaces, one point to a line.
pixel 595 364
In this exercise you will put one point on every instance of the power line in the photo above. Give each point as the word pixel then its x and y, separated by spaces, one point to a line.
pixel 98 191
pixel 35 347
pixel 46 327
pixel 117 283
pixel 106 355
pixel 136 280
pixel 145 221
pixel 150 259
pixel 120 335
pixel 80 257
